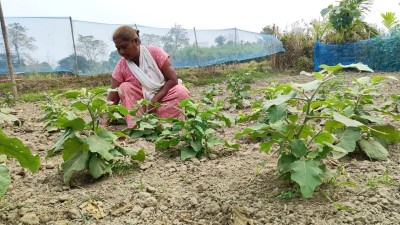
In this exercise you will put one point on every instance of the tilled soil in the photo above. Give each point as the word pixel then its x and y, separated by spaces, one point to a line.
pixel 231 187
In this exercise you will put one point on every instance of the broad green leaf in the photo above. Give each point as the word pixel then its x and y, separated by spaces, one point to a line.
pixel 98 102
pixel 139 156
pixel 285 162
pixel 359 66
pixel 13 147
pixel 307 174
pixel 377 79
pixel 5 179
pixel 72 94
pixel 59 142
pixel 319 153
pixel 214 140
pixel 338 152
pixel 79 105
pixel 347 121
pixel 119 108
pixel 386 132
pixel 187 153
pixel 299 149
pixel 251 129
pixel 373 149
pixel 348 139
pixel 98 166
pixel 276 113
pixel 373 119
pixel 101 90
pixel 99 145
pixel 232 145
pixel 332 125
pixel 75 124
pixel 266 146
pixel 72 146
pixel 277 101
pixel 306 132
pixel 332 69
pixel 324 137
pixel 310 86
pixel 107 135
pixel 164 144
pixel 196 145
pixel 228 119
pixel 75 163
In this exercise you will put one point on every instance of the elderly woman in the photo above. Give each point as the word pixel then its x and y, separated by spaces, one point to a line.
pixel 144 72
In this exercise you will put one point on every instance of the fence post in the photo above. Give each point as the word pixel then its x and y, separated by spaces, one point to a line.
pixel 8 52
pixel 197 46
pixel 73 43
pixel 274 56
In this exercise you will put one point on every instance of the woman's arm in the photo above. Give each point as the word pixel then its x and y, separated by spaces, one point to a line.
pixel 113 95
pixel 171 79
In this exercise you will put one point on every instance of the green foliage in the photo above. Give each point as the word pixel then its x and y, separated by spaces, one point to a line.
pixel 20 43
pixel 311 121
pixel 175 39
pixel 147 125
pixel 84 144
pixel 346 19
pixel 238 85
pixel 194 136
pixel 14 148
pixel 298 44
pixel 6 115
pixel 389 20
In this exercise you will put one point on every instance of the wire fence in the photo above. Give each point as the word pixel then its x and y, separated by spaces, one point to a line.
pixel 60 45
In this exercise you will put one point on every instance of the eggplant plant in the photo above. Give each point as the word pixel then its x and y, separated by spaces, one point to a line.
pixel 83 142
pixel 195 135
pixel 312 121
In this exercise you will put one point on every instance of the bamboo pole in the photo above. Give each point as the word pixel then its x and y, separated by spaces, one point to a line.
pixel 8 52
pixel 274 56
pixel 197 46
pixel 73 43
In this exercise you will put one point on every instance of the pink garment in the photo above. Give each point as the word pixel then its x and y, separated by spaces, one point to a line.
pixel 130 90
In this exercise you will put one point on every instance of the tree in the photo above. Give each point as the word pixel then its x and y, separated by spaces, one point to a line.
pixel 20 41
pixel 220 40
pixel 113 58
pixel 68 64
pixel 267 30
pixel 175 39
pixel 90 47
pixel 151 39
pixel 389 20
pixel 347 19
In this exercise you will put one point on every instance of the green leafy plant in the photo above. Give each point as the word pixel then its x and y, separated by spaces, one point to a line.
pixel 238 84
pixel 194 136
pixel 85 144
pixel 209 94
pixel 147 125
pixel 13 148
pixel 311 121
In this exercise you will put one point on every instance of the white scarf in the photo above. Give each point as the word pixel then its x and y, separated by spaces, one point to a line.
pixel 148 73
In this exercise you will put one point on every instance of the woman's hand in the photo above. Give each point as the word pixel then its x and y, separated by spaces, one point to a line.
pixel 103 121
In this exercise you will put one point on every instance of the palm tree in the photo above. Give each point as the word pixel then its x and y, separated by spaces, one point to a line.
pixel 389 20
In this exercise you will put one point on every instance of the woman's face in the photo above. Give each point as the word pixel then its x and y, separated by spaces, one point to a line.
pixel 127 49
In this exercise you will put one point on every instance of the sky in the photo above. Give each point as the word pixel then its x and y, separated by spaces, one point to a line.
pixel 249 15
